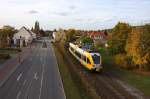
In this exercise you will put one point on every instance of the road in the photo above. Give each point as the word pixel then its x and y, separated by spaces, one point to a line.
pixel 37 77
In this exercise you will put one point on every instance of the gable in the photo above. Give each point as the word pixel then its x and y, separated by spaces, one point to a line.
pixel 23 33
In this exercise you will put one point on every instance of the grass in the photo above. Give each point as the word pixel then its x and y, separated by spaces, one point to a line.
pixel 12 53
pixel 71 90
pixel 2 61
pixel 140 82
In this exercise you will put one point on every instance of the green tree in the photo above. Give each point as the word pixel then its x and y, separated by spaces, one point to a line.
pixel 37 27
pixel 87 40
pixel 119 37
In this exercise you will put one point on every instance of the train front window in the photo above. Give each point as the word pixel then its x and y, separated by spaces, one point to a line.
pixel 96 59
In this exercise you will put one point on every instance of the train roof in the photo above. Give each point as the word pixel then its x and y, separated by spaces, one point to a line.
pixel 84 50
pixel 98 54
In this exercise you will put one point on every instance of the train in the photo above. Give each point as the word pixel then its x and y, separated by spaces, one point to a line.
pixel 90 60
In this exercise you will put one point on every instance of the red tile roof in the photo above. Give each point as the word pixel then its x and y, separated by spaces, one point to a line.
pixel 96 34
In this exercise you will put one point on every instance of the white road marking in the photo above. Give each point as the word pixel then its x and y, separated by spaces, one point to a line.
pixel 30 59
pixel 18 78
pixel 41 80
pixel 18 95
pixel 35 76
pixel 24 82
pixel 28 89
pixel 40 58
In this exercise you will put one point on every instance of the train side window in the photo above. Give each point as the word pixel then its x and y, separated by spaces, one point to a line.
pixel 84 58
pixel 75 52
pixel 72 49
pixel 78 54
pixel 88 61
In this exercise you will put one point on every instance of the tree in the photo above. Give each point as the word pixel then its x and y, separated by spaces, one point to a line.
pixel 87 40
pixel 8 30
pixel 42 32
pixel 119 37
pixel 105 32
pixel 138 46
pixel 60 35
pixel 70 35
pixel 6 33
pixel 32 29
pixel 37 27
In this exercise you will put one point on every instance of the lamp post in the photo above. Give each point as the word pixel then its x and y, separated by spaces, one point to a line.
pixel 20 50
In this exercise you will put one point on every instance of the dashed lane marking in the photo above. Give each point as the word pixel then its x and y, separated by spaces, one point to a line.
pixel 26 94
pixel 18 95
pixel 40 58
pixel 24 82
pixel 41 81
pixel 30 59
pixel 20 75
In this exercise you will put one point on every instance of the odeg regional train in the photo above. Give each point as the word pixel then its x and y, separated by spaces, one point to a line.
pixel 91 60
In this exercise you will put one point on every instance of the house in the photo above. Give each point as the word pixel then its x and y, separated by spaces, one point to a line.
pixel 99 38
pixel 33 35
pixel 24 35
pixel 54 35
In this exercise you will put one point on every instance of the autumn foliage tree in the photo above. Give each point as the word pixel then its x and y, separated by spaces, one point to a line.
pixel 70 35
pixel 131 46
pixel 6 33
pixel 138 46
pixel 119 37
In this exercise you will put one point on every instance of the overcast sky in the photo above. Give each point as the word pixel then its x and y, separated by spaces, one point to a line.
pixel 79 14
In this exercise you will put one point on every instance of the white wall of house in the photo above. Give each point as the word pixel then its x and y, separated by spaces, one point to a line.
pixel 33 35
pixel 53 35
pixel 23 33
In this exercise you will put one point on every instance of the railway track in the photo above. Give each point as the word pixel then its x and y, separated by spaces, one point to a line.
pixel 107 88
pixel 104 84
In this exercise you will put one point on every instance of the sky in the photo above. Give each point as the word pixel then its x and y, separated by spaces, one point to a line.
pixel 78 14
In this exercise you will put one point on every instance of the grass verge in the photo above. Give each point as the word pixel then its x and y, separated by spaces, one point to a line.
pixel 10 53
pixel 2 61
pixel 72 91
pixel 140 82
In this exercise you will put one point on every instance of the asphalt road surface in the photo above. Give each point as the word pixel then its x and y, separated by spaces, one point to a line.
pixel 37 77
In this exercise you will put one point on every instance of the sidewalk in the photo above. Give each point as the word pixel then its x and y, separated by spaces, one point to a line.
pixel 11 65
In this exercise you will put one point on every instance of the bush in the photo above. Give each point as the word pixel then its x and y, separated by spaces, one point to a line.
pixel 4 56
pixel 87 40
pixel 124 61
pixel 101 50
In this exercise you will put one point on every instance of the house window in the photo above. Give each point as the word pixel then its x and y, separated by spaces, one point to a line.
pixel 72 49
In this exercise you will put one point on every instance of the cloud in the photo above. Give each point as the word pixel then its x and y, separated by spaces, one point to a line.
pixel 33 12
pixel 61 13
pixel 96 20
pixel 72 7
